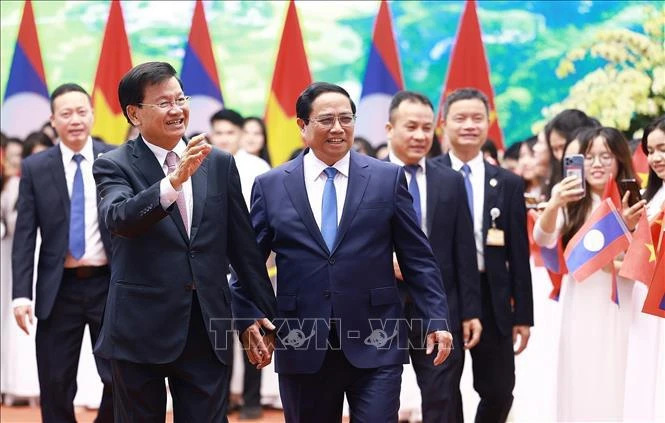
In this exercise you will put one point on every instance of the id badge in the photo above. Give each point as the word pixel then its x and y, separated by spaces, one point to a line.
pixel 495 237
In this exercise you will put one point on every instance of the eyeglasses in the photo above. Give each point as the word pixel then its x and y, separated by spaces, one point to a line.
pixel 605 159
pixel 180 102
pixel 328 121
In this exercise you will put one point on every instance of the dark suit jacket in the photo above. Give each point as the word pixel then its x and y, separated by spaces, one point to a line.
pixel 44 204
pixel 154 264
pixel 354 282
pixel 507 268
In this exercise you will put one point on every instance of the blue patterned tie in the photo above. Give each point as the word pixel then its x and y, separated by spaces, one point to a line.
pixel 77 213
pixel 329 209
pixel 466 171
pixel 414 190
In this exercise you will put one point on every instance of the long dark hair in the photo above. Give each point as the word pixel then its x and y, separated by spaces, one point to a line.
pixel 263 152
pixel 654 183
pixel 577 212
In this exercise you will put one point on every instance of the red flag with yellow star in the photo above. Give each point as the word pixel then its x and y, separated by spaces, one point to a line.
pixel 469 68
pixel 639 262
pixel 655 301
pixel 641 166
pixel 656 229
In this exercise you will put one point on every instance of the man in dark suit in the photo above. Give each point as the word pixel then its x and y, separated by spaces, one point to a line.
pixel 57 196
pixel 440 203
pixel 333 217
pixel 177 218
pixel 496 199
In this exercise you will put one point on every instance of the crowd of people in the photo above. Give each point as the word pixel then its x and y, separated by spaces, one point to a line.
pixel 100 240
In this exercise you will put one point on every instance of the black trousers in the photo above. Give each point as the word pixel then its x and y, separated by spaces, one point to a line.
pixel 251 383
pixel 197 381
pixel 493 365
pixel 58 340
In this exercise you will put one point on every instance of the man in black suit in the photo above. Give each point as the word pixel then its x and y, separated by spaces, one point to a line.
pixel 57 196
pixel 177 217
pixel 440 203
pixel 496 199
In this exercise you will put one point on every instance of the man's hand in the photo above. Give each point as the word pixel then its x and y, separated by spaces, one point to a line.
pixel 524 332
pixel 444 340
pixel 396 269
pixel 197 149
pixel 471 330
pixel 20 314
pixel 258 347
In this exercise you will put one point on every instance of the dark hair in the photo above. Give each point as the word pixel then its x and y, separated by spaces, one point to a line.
pixel 565 123
pixel 33 140
pixel 618 145
pixel 263 153
pixel 654 182
pixel 465 94
pixel 410 96
pixel 228 115
pixel 64 89
pixel 490 148
pixel 435 150
pixel 307 97
pixel 361 142
pixel 132 85
pixel 513 152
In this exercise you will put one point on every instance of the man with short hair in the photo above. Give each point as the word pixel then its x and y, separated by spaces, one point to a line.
pixel 177 217
pixel 58 198
pixel 440 202
pixel 333 217
pixel 496 201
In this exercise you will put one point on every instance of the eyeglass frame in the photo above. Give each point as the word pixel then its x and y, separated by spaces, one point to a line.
pixel 590 161
pixel 335 118
pixel 168 105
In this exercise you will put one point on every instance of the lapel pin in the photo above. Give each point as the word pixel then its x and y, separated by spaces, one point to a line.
pixel 493 182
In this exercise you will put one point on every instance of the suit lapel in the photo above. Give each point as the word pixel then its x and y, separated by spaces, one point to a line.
pixel 491 195
pixel 59 179
pixel 199 192
pixel 433 175
pixel 358 179
pixel 294 182
pixel 147 165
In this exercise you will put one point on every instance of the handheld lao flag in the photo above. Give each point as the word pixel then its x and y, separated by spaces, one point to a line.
pixel 597 242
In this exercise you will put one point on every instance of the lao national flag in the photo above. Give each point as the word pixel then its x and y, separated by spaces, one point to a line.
pixel 199 74
pixel 598 241
pixel 26 104
pixel 383 79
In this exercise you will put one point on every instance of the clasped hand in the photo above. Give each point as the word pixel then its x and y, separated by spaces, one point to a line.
pixel 259 347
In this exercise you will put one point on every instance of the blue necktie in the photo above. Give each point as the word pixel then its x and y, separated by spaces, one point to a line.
pixel 466 171
pixel 77 213
pixel 415 191
pixel 329 209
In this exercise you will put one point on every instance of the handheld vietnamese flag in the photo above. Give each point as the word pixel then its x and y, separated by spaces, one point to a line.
pixel 641 166
pixel 290 78
pixel 598 241
pixel 655 301
pixel 199 74
pixel 383 79
pixel 656 227
pixel 611 191
pixel 26 104
pixel 114 61
pixel 469 68
pixel 639 262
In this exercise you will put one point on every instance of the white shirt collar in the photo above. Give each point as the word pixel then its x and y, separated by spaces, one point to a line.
pixel 315 167
pixel 475 164
pixel 397 161
pixel 161 153
pixel 86 152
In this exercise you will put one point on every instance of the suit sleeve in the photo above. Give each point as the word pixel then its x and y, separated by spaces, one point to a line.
pixel 465 258
pixel 416 260
pixel 25 236
pixel 520 270
pixel 250 285
pixel 125 212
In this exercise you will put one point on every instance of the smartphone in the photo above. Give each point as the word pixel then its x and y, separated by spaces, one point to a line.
pixel 574 165
pixel 632 186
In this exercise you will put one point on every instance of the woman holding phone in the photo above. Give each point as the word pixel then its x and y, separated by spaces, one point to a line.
pixel 644 398
pixel 594 330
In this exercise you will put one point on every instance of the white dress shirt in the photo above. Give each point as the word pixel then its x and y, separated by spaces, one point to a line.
pixel 654 206
pixel 167 194
pixel 94 247
pixel 477 165
pixel 249 167
pixel 421 178
pixel 315 182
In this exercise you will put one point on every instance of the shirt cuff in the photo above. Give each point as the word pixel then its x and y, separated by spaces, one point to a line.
pixel 22 301
pixel 544 239
pixel 167 194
